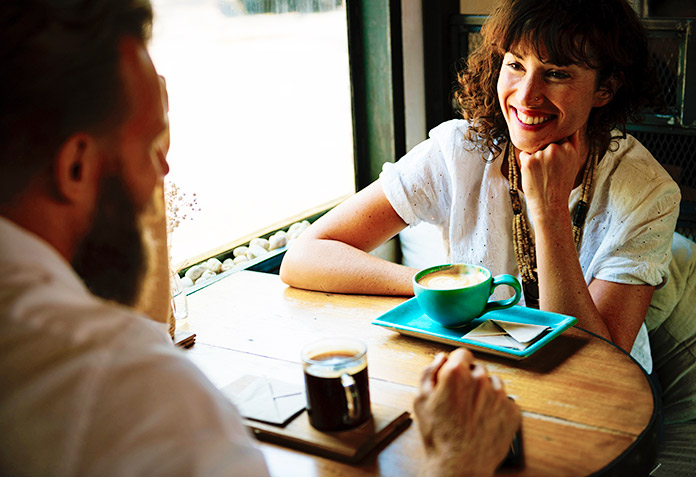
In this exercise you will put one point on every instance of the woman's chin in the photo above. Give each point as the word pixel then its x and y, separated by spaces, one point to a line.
pixel 529 148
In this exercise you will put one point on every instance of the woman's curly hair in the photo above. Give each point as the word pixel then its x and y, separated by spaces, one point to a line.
pixel 605 35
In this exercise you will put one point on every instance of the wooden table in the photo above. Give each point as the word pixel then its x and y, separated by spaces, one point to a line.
pixel 587 406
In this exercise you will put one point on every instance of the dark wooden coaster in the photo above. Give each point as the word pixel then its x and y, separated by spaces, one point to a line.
pixel 346 446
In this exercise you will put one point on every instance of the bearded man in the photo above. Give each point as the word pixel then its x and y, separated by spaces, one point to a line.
pixel 88 385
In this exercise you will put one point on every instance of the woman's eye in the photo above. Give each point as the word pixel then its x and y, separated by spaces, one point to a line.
pixel 558 75
pixel 514 65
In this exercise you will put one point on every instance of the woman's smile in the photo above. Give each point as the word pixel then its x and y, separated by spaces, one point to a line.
pixel 532 119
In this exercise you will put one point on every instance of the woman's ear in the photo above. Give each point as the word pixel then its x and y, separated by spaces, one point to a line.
pixel 74 175
pixel 606 91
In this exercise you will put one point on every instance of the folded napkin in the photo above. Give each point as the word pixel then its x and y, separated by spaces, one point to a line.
pixel 266 399
pixel 507 334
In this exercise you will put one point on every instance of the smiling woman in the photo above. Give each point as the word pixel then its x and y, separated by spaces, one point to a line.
pixel 537 181
pixel 251 86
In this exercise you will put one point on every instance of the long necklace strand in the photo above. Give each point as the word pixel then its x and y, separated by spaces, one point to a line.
pixel 523 241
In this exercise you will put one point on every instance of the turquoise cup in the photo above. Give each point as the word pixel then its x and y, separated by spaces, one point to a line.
pixel 454 294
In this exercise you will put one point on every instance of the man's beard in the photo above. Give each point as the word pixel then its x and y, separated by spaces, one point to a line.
pixel 113 257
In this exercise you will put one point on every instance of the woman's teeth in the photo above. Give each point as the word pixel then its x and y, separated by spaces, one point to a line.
pixel 530 120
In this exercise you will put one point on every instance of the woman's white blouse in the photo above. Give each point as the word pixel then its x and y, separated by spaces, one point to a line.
pixel 453 184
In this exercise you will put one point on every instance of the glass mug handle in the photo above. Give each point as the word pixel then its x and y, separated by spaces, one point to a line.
pixel 352 398
pixel 511 282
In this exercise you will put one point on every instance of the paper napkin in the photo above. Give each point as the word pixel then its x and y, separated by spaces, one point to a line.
pixel 266 399
pixel 507 334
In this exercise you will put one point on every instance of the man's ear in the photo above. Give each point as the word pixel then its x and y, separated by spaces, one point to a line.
pixel 75 170
pixel 606 91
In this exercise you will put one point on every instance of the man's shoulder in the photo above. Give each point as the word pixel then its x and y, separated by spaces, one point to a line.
pixel 62 358
pixel 88 388
pixel 36 304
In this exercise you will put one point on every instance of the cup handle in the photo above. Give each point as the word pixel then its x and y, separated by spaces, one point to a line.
pixel 501 304
pixel 352 398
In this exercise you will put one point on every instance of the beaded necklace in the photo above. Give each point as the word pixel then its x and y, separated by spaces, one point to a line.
pixel 525 249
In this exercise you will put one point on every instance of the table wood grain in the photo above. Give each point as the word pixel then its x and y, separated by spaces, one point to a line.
pixel 586 404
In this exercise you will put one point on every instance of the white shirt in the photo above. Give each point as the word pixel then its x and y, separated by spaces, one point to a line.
pixel 627 234
pixel 88 387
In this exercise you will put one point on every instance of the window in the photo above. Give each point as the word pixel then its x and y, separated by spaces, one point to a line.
pixel 260 114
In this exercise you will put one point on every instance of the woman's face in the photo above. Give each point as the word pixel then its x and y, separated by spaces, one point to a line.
pixel 544 103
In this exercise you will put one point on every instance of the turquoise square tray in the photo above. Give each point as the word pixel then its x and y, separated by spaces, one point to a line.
pixel 409 319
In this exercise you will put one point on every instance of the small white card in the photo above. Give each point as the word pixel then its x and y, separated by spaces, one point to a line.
pixel 506 333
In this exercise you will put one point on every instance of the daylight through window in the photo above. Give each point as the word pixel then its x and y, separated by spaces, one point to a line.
pixel 260 114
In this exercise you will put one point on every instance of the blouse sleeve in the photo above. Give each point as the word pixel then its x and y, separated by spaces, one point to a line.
pixel 643 204
pixel 418 185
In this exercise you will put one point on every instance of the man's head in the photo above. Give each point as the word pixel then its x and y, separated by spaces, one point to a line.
pixel 80 126
pixel 60 76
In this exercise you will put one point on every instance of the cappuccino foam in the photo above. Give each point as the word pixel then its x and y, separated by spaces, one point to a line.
pixel 453 278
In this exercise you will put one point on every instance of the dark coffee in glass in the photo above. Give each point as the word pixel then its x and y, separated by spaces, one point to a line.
pixel 336 382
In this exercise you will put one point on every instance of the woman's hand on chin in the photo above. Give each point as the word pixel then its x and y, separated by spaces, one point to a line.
pixel 551 173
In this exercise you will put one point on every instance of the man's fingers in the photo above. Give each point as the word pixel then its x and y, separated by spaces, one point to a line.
pixel 456 374
pixel 461 355
pixel 443 365
pixel 478 371
pixel 429 376
pixel 497 383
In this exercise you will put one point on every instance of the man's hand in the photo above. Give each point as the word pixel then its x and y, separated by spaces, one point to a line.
pixel 465 417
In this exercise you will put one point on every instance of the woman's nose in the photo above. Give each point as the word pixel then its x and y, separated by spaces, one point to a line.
pixel 531 91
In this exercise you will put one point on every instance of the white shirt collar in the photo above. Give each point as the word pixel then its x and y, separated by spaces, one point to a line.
pixel 22 249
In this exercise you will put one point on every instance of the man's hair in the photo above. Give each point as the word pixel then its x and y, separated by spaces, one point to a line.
pixel 605 35
pixel 59 76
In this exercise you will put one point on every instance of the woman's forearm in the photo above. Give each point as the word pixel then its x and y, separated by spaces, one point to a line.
pixel 562 287
pixel 333 266
pixel 333 253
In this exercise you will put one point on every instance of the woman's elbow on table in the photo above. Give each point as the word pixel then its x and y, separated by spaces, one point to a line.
pixel 294 267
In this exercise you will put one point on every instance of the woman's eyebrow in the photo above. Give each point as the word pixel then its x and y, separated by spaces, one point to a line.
pixel 519 54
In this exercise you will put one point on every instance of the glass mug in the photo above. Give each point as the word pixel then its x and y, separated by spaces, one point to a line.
pixel 178 297
pixel 336 384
